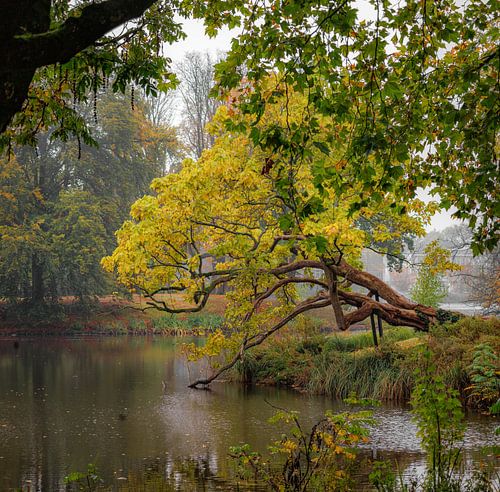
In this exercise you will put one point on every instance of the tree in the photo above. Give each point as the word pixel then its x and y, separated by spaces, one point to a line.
pixel 56 52
pixel 160 111
pixel 258 224
pixel 196 73
pixel 429 288
pixel 483 283
pixel 415 89
pixel 61 203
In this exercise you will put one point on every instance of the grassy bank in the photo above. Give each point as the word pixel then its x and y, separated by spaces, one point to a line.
pixel 338 365
pixel 107 316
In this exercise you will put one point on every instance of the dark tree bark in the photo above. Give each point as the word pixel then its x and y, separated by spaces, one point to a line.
pixel 37 280
pixel 27 42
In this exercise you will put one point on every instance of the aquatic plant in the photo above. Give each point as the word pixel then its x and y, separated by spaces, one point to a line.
pixel 303 460
pixel 88 481
pixel 438 413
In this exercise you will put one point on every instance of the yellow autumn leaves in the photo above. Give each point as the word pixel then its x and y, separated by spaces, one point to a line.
pixel 225 212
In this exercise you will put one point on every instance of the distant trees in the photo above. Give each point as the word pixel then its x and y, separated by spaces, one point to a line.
pixel 61 203
pixel 196 73
pixel 478 281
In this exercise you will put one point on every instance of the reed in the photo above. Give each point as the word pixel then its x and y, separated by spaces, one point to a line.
pixel 368 373
pixel 338 365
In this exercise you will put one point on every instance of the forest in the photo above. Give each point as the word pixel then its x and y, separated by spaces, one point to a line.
pixel 260 223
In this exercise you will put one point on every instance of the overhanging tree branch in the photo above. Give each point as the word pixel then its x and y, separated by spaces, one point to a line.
pixel 313 303
pixel 28 43
pixel 75 34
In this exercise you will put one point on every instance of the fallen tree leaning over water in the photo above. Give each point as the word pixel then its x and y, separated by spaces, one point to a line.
pixel 257 228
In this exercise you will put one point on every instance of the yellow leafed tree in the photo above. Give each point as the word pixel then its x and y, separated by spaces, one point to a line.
pixel 260 225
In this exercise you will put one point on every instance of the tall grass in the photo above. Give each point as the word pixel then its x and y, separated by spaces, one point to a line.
pixel 369 374
pixel 202 323
pixel 341 364
pixel 314 365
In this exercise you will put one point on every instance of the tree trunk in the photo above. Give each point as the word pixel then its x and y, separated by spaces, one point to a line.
pixel 37 280
pixel 28 43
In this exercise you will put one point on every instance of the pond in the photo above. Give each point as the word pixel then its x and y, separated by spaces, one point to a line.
pixel 123 404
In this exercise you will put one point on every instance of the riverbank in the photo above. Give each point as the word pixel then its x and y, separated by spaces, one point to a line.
pixel 111 315
pixel 108 316
pixel 465 355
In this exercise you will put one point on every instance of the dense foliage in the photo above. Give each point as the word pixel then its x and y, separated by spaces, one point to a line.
pixel 414 89
pixel 229 219
pixel 411 89
pixel 56 53
pixel 60 203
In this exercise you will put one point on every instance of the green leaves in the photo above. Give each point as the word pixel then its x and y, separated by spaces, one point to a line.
pixel 323 147
pixel 438 413
pixel 484 373
pixel 429 97
pixel 286 222
pixel 318 243
pixel 121 60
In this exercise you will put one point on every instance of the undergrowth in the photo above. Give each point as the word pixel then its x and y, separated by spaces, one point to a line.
pixel 337 365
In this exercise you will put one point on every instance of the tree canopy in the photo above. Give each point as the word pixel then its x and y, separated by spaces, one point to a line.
pixel 261 225
pixel 413 86
pixel 60 203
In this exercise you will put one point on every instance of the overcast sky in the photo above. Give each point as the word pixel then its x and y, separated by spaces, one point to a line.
pixel 197 40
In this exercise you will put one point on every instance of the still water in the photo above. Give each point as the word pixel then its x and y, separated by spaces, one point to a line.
pixel 123 404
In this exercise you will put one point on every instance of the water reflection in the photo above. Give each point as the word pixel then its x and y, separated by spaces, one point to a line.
pixel 123 404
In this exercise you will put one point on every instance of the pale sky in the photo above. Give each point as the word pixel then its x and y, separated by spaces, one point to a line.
pixel 197 40
pixel 441 221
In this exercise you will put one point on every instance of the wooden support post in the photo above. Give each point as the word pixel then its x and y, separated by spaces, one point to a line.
pixel 379 320
pixel 374 330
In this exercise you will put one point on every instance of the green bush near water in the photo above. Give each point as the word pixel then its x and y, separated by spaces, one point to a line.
pixel 341 364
